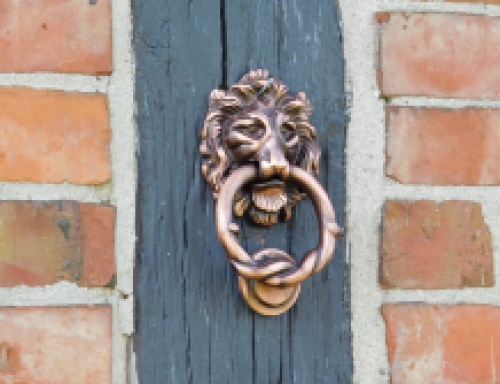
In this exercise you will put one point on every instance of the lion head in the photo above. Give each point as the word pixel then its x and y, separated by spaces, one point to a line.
pixel 257 121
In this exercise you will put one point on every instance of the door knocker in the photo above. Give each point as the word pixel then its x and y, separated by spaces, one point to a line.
pixel 260 157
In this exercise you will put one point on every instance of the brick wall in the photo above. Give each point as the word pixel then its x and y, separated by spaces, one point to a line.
pixel 66 191
pixel 423 186
pixel 424 243
pixel 429 244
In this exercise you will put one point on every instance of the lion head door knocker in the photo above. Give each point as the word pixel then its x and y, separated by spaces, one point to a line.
pixel 260 158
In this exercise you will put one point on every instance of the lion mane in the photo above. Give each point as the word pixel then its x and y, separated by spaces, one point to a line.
pixel 228 106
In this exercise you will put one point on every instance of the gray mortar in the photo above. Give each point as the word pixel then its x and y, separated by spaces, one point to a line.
pixel 124 176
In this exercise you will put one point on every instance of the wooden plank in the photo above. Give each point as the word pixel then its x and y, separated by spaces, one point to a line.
pixel 186 327
pixel 312 59
pixel 300 43
pixel 192 326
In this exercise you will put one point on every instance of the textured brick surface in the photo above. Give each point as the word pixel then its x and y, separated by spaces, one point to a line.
pixel 430 245
pixel 52 136
pixel 42 243
pixel 55 345
pixel 442 55
pixel 445 147
pixel 448 345
pixel 97 226
pixel 70 36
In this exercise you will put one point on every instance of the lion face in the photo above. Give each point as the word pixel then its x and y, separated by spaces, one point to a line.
pixel 257 121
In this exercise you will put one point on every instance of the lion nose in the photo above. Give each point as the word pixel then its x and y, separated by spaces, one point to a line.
pixel 272 161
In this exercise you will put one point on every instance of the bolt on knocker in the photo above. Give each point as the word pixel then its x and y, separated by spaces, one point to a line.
pixel 260 158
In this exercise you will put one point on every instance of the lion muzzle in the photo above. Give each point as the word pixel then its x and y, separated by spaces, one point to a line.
pixel 272 161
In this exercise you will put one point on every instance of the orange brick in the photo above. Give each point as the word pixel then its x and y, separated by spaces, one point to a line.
pixel 450 344
pixel 442 55
pixel 52 136
pixel 97 223
pixel 444 147
pixel 68 36
pixel 430 245
pixel 57 345
pixel 42 243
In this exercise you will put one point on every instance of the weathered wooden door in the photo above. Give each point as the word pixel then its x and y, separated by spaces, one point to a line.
pixel 192 326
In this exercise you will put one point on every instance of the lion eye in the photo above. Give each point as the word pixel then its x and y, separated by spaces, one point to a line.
pixel 253 131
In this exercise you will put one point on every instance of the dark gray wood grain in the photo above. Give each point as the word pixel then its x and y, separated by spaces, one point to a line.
pixel 192 326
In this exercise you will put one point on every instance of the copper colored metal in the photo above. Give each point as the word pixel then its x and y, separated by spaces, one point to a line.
pixel 260 158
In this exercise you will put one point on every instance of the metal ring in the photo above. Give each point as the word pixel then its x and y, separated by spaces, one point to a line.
pixel 277 270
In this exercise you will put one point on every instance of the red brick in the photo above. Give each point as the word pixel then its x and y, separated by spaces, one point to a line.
pixel 443 146
pixel 68 36
pixel 442 55
pixel 430 245
pixel 450 344
pixel 52 136
pixel 45 242
pixel 57 345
